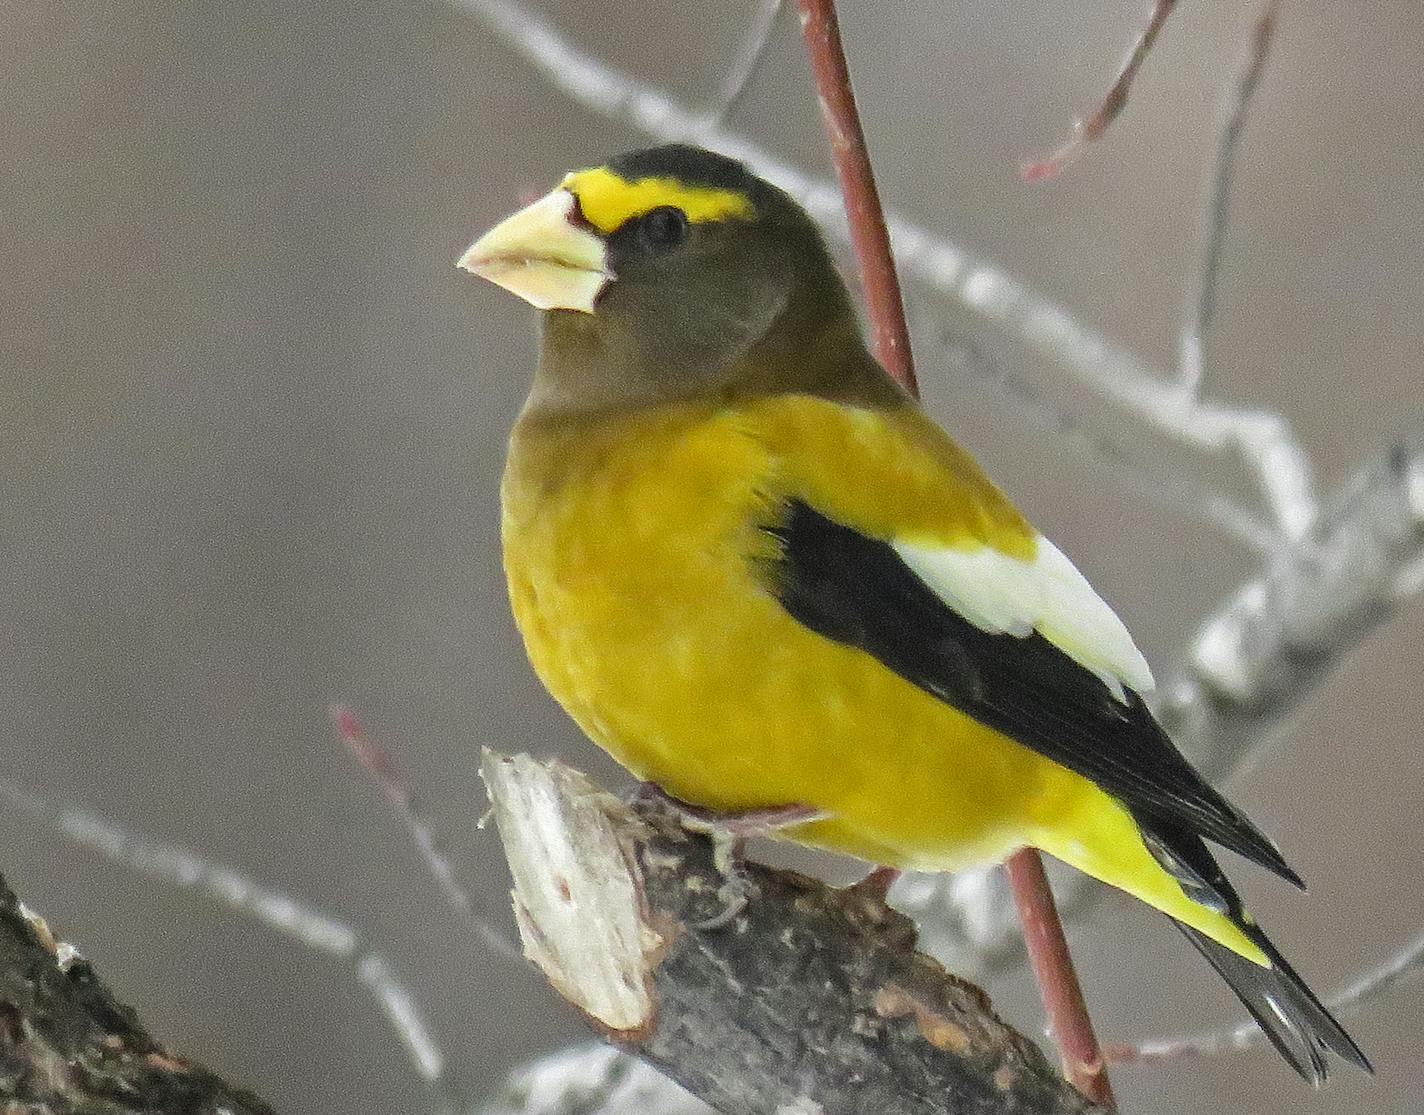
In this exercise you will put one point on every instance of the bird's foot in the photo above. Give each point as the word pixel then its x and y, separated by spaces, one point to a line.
pixel 730 831
pixel 729 860
pixel 741 823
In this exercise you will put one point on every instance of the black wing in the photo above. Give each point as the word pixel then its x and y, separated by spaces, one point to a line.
pixel 1282 1004
pixel 856 590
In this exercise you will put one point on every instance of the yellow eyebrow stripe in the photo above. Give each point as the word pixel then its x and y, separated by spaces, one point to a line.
pixel 607 199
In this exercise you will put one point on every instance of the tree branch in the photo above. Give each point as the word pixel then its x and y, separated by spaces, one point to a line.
pixel 231 889
pixel 1267 647
pixel 1090 130
pixel 813 1000
pixel 70 1046
pixel 870 238
pixel 1201 306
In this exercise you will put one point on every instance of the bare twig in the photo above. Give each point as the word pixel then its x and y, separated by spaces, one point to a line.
pixel 750 51
pixel 70 1046
pixel 1263 440
pixel 1268 646
pixel 1201 305
pixel 1091 129
pixel 1068 1017
pixel 1407 964
pixel 379 765
pixel 890 336
pixel 813 1000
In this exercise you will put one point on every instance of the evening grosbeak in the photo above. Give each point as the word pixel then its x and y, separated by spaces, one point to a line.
pixel 756 574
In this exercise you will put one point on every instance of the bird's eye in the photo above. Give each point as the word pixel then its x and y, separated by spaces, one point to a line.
pixel 663 228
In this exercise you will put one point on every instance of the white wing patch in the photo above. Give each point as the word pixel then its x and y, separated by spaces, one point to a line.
pixel 1002 594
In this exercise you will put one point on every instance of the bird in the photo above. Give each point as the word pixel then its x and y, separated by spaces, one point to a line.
pixel 756 573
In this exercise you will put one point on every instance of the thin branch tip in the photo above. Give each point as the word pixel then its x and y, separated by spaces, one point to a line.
pixel 1089 129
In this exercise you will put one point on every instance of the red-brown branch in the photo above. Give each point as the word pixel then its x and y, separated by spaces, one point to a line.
pixel 1068 1018
pixel 869 235
pixel 1090 129
pixel 1043 930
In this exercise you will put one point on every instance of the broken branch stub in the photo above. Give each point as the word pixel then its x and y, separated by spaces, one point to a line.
pixel 810 999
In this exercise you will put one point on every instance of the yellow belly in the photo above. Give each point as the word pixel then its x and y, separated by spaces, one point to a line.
pixel 634 583
pixel 631 553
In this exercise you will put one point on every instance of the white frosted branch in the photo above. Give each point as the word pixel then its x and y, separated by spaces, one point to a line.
pixel 591 1079
pixel 1265 649
pixel 936 268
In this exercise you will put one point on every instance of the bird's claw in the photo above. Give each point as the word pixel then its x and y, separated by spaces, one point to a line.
pixel 729 832
pixel 735 892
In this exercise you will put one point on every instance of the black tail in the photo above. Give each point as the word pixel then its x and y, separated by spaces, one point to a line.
pixel 1283 1006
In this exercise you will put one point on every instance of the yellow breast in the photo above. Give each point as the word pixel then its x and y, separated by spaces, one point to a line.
pixel 632 549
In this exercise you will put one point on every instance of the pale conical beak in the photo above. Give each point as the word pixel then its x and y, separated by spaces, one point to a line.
pixel 543 256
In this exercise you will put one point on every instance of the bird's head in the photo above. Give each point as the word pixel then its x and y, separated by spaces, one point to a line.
pixel 667 271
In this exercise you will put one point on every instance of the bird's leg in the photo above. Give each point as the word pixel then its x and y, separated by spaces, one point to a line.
pixel 730 832
pixel 742 823
pixel 730 860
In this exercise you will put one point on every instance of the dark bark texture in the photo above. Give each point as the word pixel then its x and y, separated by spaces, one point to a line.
pixel 814 1000
pixel 68 1047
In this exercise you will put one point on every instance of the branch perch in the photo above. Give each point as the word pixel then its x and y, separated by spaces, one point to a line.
pixel 813 1000
pixel 68 1046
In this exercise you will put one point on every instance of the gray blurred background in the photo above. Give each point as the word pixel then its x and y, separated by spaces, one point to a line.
pixel 252 420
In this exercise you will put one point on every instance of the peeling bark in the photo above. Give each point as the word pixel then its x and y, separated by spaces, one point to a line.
pixel 811 998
